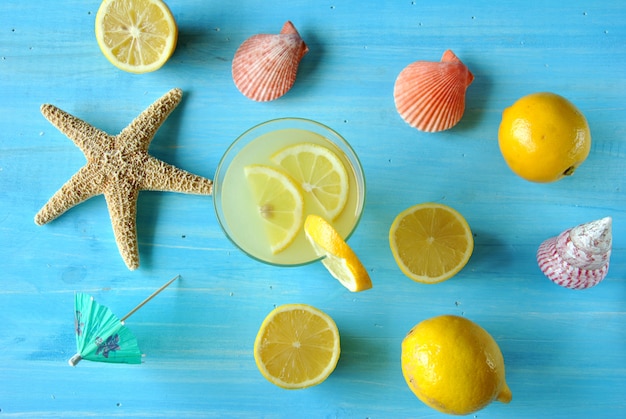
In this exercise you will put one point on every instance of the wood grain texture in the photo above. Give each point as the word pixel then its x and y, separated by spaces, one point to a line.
pixel 565 351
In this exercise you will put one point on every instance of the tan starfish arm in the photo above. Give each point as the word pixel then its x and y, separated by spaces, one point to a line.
pixel 143 128
pixel 92 141
pixel 160 176
pixel 81 186
pixel 122 205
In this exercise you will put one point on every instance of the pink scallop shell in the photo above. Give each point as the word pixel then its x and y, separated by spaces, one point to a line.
pixel 265 65
pixel 430 96
pixel 578 258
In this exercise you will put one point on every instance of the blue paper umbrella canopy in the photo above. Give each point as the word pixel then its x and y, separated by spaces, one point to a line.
pixel 100 335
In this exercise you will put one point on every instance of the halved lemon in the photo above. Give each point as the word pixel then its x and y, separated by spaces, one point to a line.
pixel 297 346
pixel 340 259
pixel 431 242
pixel 279 202
pixel 320 172
pixel 137 36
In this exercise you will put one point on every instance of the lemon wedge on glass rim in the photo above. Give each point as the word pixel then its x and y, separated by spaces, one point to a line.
pixel 297 346
pixel 279 203
pixel 320 172
pixel 137 36
pixel 339 258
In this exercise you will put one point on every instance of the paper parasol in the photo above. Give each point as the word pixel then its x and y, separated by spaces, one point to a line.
pixel 101 336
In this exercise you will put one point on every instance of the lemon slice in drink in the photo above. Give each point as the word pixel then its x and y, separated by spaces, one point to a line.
pixel 297 346
pixel 430 242
pixel 137 36
pixel 320 172
pixel 279 202
pixel 340 259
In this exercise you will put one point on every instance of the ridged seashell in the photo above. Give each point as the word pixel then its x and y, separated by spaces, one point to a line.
pixel 430 96
pixel 265 65
pixel 578 258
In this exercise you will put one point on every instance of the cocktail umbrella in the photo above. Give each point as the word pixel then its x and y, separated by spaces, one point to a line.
pixel 101 336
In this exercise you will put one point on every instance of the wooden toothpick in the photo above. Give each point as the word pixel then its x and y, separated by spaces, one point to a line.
pixel 154 294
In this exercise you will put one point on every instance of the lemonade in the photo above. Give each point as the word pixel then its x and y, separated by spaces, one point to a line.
pixel 235 203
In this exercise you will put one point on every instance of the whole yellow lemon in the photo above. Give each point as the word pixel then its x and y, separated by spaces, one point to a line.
pixel 543 137
pixel 453 365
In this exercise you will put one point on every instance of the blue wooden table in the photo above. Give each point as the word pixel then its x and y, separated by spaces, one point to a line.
pixel 565 350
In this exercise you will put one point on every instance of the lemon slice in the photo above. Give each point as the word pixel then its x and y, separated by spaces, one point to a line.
pixel 430 242
pixel 340 259
pixel 279 202
pixel 297 346
pixel 320 172
pixel 137 36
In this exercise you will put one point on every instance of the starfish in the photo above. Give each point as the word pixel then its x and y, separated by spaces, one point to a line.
pixel 118 167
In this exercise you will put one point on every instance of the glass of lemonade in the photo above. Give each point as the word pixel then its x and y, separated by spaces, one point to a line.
pixel 239 214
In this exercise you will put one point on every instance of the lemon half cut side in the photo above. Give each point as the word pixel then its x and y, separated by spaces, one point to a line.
pixel 430 242
pixel 297 346
pixel 137 36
